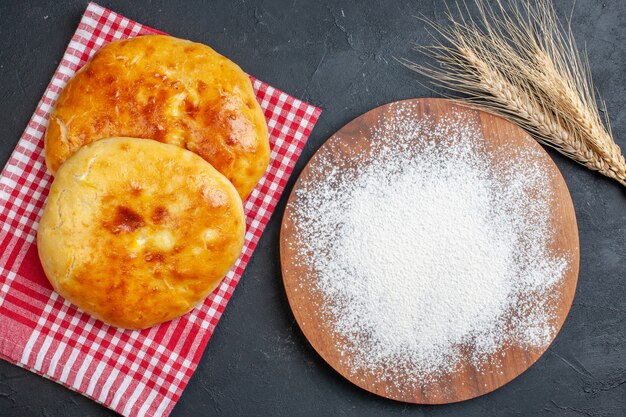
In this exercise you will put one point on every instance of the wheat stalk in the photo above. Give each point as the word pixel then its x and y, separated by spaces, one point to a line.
pixel 520 62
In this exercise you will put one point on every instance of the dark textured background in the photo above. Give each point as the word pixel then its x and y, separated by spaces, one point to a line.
pixel 339 56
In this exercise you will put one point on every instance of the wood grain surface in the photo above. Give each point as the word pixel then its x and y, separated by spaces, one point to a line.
pixel 307 303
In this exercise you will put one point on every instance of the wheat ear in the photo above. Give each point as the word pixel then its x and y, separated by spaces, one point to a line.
pixel 523 64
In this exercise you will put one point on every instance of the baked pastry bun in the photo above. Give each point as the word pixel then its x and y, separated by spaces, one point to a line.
pixel 168 89
pixel 137 232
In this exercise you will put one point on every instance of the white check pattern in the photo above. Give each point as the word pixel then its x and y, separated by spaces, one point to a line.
pixel 136 373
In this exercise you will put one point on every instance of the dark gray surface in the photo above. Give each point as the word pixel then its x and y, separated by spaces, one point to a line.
pixel 340 57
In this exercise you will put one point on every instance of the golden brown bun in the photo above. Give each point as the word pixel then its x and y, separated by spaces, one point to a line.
pixel 168 89
pixel 137 232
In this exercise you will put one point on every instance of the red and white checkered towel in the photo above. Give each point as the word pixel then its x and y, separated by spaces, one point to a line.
pixel 136 373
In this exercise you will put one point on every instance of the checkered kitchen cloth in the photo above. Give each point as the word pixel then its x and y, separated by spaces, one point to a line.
pixel 136 373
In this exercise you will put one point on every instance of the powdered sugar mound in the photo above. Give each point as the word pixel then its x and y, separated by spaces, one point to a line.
pixel 430 249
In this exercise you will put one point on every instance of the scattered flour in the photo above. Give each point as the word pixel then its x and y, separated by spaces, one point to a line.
pixel 433 248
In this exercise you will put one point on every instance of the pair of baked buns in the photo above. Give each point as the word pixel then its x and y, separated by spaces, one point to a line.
pixel 153 144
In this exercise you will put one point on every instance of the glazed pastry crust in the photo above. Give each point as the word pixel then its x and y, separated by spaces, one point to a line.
pixel 171 90
pixel 129 242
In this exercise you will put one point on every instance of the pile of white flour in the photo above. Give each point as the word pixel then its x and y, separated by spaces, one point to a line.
pixel 430 249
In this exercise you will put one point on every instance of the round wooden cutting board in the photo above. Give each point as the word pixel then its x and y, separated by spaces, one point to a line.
pixel 307 303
